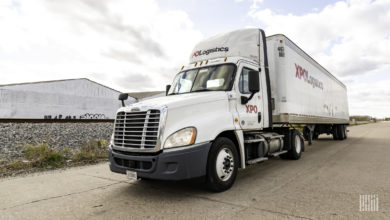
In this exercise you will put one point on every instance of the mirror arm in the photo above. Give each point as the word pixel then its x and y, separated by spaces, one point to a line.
pixel 245 99
pixel 123 103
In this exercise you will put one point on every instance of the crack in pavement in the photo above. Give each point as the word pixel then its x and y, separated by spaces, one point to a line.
pixel 60 196
pixel 105 178
pixel 231 204
pixel 244 206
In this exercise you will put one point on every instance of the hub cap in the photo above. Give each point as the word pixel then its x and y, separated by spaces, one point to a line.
pixel 224 164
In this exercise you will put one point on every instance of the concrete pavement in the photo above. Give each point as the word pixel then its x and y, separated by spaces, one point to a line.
pixel 324 184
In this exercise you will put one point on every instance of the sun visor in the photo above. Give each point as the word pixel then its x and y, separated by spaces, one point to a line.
pixel 240 43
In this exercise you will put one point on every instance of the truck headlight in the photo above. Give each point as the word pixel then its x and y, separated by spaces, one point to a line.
pixel 182 137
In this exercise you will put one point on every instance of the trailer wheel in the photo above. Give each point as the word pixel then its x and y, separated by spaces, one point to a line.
pixel 222 165
pixel 341 133
pixel 335 132
pixel 345 132
pixel 297 145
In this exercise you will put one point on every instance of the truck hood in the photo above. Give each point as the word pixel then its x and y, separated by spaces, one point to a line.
pixel 177 101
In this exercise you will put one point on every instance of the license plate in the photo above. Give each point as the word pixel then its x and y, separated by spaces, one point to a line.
pixel 131 174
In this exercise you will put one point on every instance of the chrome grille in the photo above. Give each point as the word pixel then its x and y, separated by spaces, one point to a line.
pixel 137 129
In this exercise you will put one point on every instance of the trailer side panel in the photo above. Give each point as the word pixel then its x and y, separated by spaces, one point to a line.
pixel 302 90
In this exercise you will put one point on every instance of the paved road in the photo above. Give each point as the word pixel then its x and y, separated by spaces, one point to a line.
pixel 325 184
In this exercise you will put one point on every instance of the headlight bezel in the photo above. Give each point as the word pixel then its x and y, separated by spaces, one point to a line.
pixel 176 144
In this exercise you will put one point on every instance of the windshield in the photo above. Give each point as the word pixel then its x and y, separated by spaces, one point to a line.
pixel 212 78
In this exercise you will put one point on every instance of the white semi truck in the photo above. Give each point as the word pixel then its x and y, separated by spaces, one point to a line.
pixel 238 102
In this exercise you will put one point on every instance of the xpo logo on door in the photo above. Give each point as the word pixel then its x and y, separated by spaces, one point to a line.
pixel 251 109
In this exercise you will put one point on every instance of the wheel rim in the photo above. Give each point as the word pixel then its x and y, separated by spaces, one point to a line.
pixel 297 144
pixel 224 164
pixel 345 132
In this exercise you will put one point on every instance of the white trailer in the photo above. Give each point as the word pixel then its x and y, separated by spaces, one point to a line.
pixel 302 90
pixel 235 104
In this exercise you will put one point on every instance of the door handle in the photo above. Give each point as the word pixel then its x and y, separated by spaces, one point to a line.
pixel 259 117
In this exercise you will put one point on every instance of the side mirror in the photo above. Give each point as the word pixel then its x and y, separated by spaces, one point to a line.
pixel 253 85
pixel 254 81
pixel 167 88
pixel 123 97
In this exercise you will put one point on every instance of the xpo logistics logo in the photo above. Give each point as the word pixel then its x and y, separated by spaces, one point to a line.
pixel 209 51
pixel 302 73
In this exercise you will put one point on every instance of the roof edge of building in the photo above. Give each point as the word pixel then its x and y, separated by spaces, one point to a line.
pixel 58 80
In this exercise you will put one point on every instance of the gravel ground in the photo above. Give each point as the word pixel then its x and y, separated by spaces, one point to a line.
pixel 15 136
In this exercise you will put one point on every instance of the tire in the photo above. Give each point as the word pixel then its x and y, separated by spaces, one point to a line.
pixel 315 136
pixel 297 145
pixel 341 133
pixel 222 165
pixel 345 132
pixel 335 132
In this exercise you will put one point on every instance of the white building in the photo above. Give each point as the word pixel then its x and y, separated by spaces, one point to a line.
pixel 59 99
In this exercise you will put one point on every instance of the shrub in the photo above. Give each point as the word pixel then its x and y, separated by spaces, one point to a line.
pixel 92 151
pixel 42 155
pixel 16 165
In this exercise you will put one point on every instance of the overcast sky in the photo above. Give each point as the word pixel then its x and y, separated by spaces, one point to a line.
pixel 140 45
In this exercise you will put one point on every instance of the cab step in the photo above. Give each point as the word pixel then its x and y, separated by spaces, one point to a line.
pixel 278 153
pixel 257 160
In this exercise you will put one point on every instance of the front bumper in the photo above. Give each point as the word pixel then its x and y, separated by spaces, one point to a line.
pixel 170 164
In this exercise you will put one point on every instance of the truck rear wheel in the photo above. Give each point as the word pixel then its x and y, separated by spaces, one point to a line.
pixel 222 165
pixel 297 144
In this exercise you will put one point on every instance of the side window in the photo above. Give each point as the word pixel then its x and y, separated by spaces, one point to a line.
pixel 243 82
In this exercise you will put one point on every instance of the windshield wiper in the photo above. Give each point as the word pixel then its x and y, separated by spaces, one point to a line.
pixel 203 90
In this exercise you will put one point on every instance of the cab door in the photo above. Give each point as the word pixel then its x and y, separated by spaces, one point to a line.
pixel 251 113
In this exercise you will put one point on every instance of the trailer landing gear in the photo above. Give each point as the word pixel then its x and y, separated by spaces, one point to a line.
pixel 308 133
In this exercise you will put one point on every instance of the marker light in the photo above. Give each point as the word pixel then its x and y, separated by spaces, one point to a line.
pixel 225 59
pixel 207 61
pixel 196 64
pixel 182 67
pixel 200 64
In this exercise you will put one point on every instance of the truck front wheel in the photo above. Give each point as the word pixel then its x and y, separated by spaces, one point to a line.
pixel 222 165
